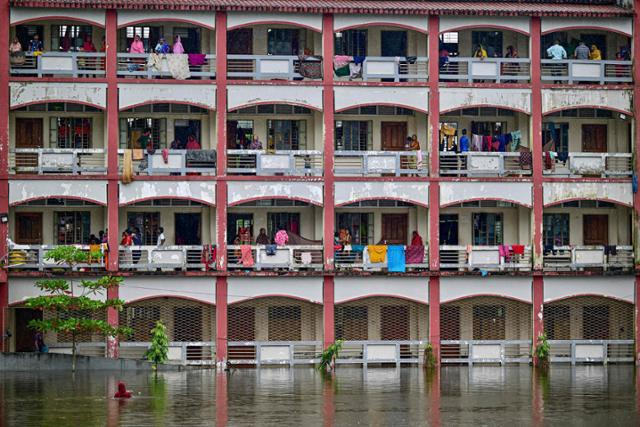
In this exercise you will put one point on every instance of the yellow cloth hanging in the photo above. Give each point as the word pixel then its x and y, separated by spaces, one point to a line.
pixel 127 169
pixel 377 253
pixel 138 154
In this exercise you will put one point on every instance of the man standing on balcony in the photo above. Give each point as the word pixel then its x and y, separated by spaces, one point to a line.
pixel 557 53
pixel 582 51
pixel 161 238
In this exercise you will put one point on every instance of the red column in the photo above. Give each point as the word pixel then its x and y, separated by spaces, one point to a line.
pixel 111 33
pixel 434 315
pixel 538 301
pixel 636 196
pixel 4 167
pixel 328 297
pixel 536 142
pixel 221 318
pixel 328 122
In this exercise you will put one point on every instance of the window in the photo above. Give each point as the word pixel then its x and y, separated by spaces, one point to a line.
pixel 353 135
pixel 239 133
pixel 360 226
pixel 72 228
pixel 67 38
pixel 147 223
pixel 131 130
pixel 148 35
pixel 70 132
pixel 25 33
pixel 189 37
pixel 449 41
pixel 287 221
pixel 487 229
pixel 351 43
pixel 287 134
pixel 490 40
pixel 559 133
pixel 283 41
pixel 555 229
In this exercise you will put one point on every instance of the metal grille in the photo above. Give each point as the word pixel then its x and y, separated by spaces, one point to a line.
pixel 186 321
pixel 66 337
pixel 588 318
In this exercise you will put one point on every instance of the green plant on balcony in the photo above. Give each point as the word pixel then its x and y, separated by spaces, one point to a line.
pixel 329 356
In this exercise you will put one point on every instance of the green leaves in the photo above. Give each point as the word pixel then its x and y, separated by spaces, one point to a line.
pixel 329 355
pixel 69 255
pixel 543 348
pixel 159 350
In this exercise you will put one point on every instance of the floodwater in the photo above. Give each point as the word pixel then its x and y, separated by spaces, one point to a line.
pixel 491 396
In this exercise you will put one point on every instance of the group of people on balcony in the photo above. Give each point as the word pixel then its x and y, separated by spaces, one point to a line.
pixel 497 142
pixel 177 59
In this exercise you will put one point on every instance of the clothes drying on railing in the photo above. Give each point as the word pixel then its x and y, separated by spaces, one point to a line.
pixel 414 254
pixel 377 253
pixel 196 59
pixel 246 256
pixel 351 66
pixel 310 66
pixel 396 259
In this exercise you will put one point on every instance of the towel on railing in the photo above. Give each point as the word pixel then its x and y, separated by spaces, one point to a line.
pixel 396 259
pixel 610 250
pixel 305 258
pixel 414 254
pixel 127 167
pixel 138 154
pixel 518 249
pixel 246 257
pixel 377 253
pixel 178 66
pixel 153 62
pixel 357 248
pixel 196 59
pixel 270 250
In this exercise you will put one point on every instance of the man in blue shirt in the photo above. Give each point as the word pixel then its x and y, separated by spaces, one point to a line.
pixel 557 52
pixel 464 141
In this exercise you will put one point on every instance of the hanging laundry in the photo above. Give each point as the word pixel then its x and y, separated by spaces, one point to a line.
pixel 246 257
pixel 359 60
pixel 355 71
pixel 526 159
pixel 341 65
pixel 310 67
pixel 281 238
pixel 377 253
pixel 414 254
pixel 502 143
pixel 486 143
pixel 196 59
pixel 357 248
pixel 305 258
pixel 476 142
pixel 270 250
pixel 516 137
pixel 178 65
pixel 396 259
pixel 127 171
pixel 153 63
pixel 518 249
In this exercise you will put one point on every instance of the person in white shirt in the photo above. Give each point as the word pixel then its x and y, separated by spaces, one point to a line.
pixel 557 52
pixel 161 238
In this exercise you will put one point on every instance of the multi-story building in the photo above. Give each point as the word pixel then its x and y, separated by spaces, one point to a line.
pixel 296 117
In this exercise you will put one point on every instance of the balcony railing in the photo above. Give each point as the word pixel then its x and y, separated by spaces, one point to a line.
pixel 280 162
pixel 139 64
pixel 364 163
pixel 484 163
pixel 356 260
pixel 494 70
pixel 590 351
pixel 274 352
pixel 489 258
pixel 290 257
pixel 166 258
pixel 171 162
pixel 578 71
pixel 34 257
pixel 267 67
pixel 398 352
pixel 485 351
pixel 398 69
pixel 571 258
pixel 76 161
pixel 59 64
pixel 590 164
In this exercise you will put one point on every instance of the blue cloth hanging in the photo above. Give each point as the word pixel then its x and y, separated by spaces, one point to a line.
pixel 396 259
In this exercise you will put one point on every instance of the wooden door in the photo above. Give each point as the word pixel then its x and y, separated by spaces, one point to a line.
pixel 595 229
pixel 394 135
pixel 24 334
pixel 488 322
pixel 395 228
pixel 28 135
pixel 394 323
pixel 594 138
pixel 28 229
pixel 240 42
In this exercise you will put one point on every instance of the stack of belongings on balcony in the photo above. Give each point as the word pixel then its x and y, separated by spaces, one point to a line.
pixel 306 257
pixel 551 156
pixel 310 65
pixel 344 65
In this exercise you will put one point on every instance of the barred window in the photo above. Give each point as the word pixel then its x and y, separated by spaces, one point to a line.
pixel 352 135
pixel 555 229
pixel 70 132
pixel 287 134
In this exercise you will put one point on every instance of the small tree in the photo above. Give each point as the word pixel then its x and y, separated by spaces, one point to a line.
pixel 73 306
pixel 429 357
pixel 542 351
pixel 159 350
pixel 329 356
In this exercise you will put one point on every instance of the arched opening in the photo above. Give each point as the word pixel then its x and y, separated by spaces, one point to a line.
pixel 382 319
pixel 485 141
pixel 280 320
pixel 581 234
pixel 57 137
pixel 186 321
pixel 588 142
pixel 489 322
pixel 378 140
pixel 274 139
pixel 369 232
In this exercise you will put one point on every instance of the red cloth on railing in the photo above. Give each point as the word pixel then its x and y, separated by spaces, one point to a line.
pixel 246 257
pixel 518 249
pixel 196 59
pixel 414 254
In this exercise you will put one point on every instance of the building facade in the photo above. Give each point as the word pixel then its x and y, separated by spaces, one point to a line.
pixel 344 124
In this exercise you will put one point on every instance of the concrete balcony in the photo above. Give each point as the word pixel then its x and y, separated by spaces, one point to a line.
pixel 369 163
pixel 605 165
pixel 279 162
pixel 289 257
pixel 43 161
pixel 490 258
pixel 269 67
pixel 177 162
pixel 575 258
pixel 165 258
pixel 34 257
pixel 487 70
pixel 483 164
pixel 594 72
pixel 400 69
pixel 144 65
pixel 59 64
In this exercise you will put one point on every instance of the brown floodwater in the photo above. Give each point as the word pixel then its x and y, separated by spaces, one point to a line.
pixel 478 396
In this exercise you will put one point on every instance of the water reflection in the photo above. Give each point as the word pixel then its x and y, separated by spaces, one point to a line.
pixel 583 395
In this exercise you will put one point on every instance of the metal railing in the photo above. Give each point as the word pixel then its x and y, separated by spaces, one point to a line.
pixel 274 352
pixel 280 162
pixel 398 69
pixel 592 351
pixel 484 258
pixel 265 67
pixel 136 64
pixel 34 257
pixel 176 162
pixel 598 164
pixel 364 163
pixel 485 351
pixel 73 64
pixel 349 260
pixel 473 163
pixel 152 258
pixel 586 71
pixel 289 257
pixel 495 70
pixel 570 258
pixel 397 352
pixel 76 161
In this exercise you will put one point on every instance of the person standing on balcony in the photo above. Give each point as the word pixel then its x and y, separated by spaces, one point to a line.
pixel 16 55
pixel 480 52
pixel 262 238
pixel 192 143
pixel 35 45
pixel 582 51
pixel 162 46
pixel 145 140
pixel 595 54
pixel 464 142
pixel 161 238
pixel 136 45
pixel 177 46
pixel 557 53
pixel 88 46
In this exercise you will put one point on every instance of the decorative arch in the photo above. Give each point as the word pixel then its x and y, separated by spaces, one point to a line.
pixel 460 22
pixel 343 22
pixel 139 289
pixel 133 95
pixel 514 288
pixel 27 93
pixel 250 95
pixel 137 191
pixel 453 193
pixel 204 19
pixel 23 191
pixel 19 16
pixel 510 99
pixel 56 101
pixel 623 26
pixel 562 192
pixel 355 288
pixel 347 192
pixel 413 98
pixel 236 20
pixel 243 192
pixel 619 100
pixel 307 289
